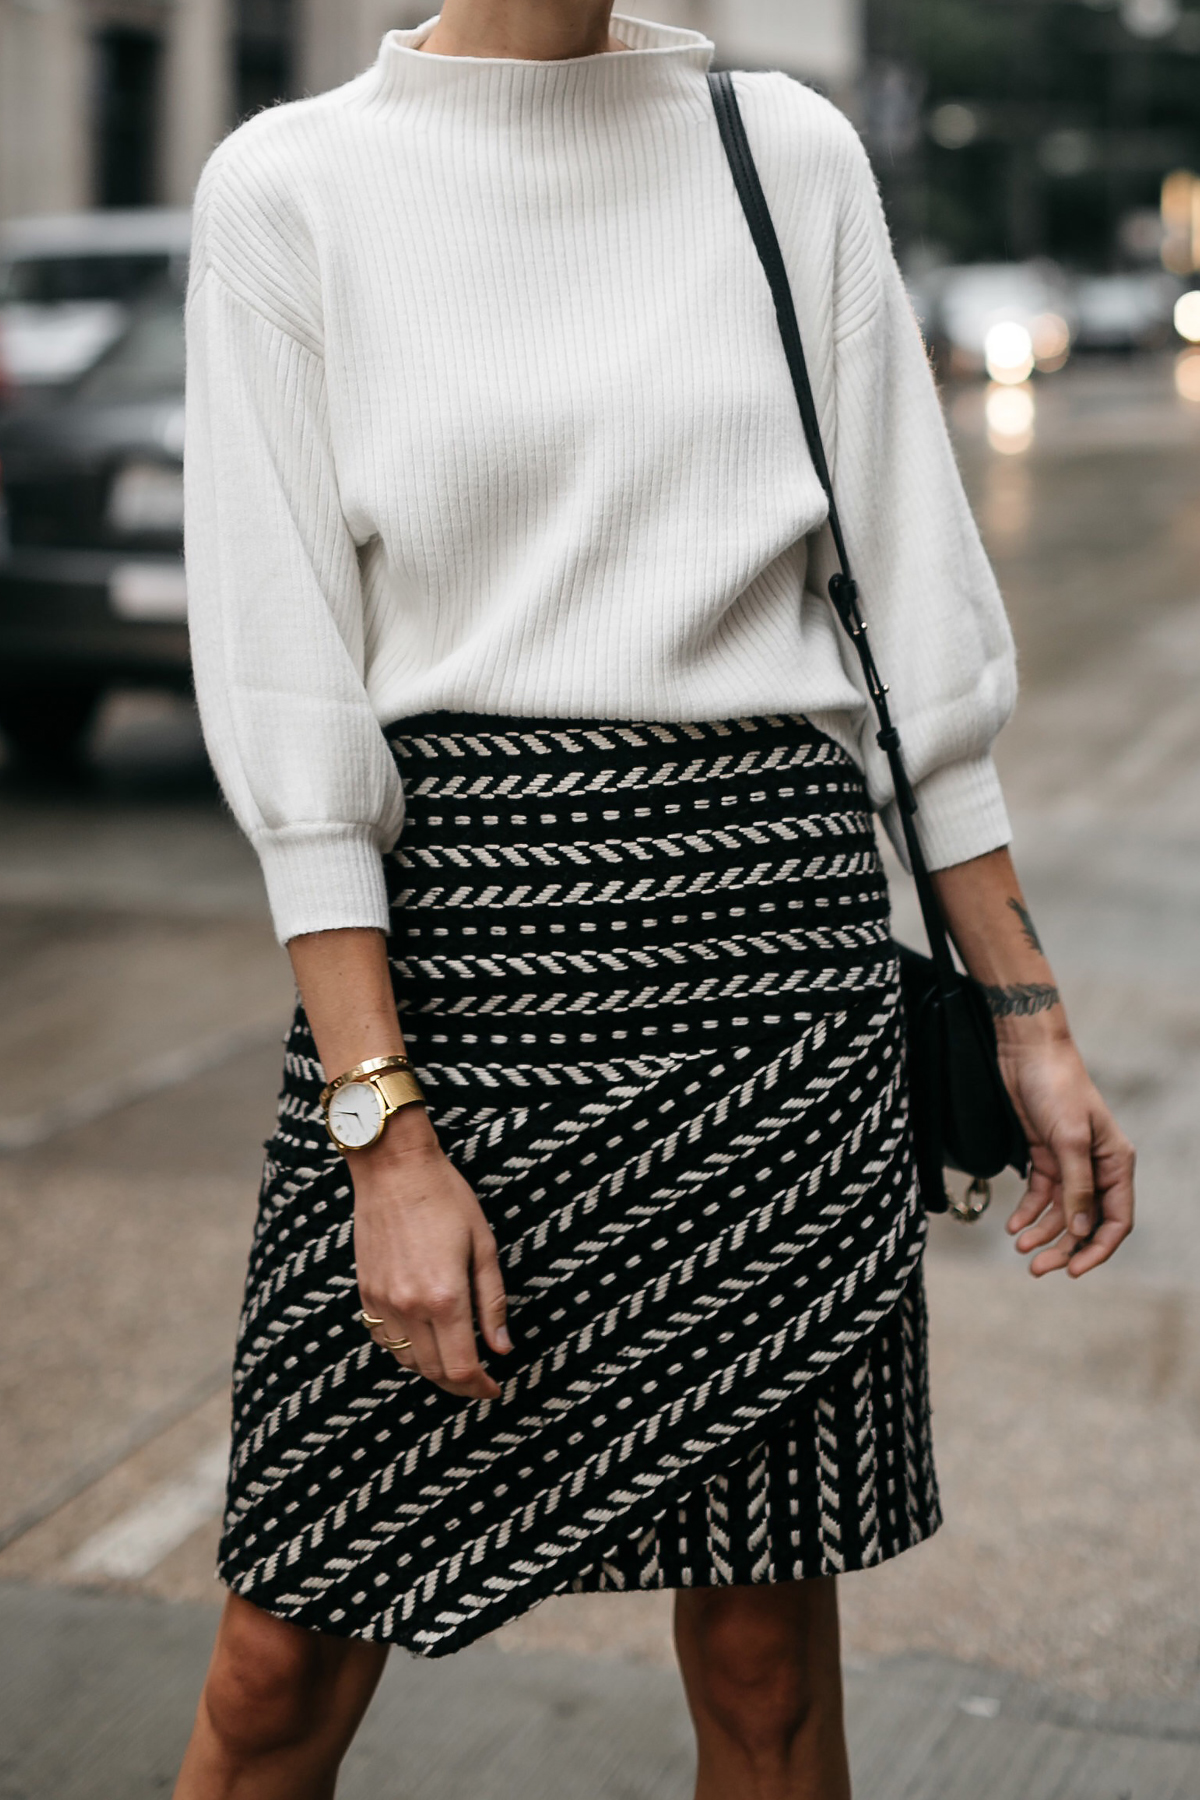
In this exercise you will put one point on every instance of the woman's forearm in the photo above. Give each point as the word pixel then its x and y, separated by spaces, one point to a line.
pixel 998 941
pixel 346 987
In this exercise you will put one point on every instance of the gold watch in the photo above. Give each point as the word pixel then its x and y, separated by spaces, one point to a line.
pixel 359 1103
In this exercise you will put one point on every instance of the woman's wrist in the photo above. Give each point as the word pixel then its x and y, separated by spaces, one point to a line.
pixel 1017 1032
pixel 407 1132
pixel 1026 1012
pixel 999 943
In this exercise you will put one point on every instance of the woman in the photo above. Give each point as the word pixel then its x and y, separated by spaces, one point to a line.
pixel 504 558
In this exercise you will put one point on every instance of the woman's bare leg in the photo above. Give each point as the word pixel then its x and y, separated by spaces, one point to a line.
pixel 279 1709
pixel 762 1671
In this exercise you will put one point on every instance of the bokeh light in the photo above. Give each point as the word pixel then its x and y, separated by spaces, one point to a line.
pixel 1008 352
pixel 1187 375
pixel 1011 413
pixel 1051 340
pixel 1187 316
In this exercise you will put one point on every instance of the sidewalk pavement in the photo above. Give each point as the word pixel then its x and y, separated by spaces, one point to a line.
pixel 97 1693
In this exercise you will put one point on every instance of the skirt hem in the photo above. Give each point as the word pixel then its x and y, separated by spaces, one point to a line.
pixel 487 1621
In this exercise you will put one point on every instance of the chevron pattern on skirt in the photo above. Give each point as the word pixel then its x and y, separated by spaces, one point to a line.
pixel 645 973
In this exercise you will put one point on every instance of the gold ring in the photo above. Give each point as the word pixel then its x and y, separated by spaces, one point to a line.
pixel 397 1343
pixel 370 1323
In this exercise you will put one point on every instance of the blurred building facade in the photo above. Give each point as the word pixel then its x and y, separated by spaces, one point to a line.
pixel 1008 129
pixel 118 102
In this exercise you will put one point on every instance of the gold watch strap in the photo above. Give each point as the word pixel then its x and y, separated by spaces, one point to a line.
pixel 397 1088
pixel 374 1065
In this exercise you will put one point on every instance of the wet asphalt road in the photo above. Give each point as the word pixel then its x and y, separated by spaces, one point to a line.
pixel 142 1000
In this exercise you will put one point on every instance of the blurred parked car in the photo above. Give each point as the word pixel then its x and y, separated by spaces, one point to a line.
pixel 1002 318
pixel 91 575
pixel 1126 312
pixel 67 284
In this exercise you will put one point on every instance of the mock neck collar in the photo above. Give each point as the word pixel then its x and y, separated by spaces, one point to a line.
pixel 659 59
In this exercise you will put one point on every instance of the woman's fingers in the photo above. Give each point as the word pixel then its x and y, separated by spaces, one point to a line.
pixel 1071 1143
pixel 1056 1256
pixel 434 1335
pixel 1040 1192
pixel 417 1345
pixel 1029 1208
pixel 1104 1240
pixel 434 1338
pixel 491 1301
pixel 1114 1160
pixel 1052 1214
pixel 422 1353
pixel 437 1340
pixel 454 1328
pixel 443 1343
pixel 1038 1218
pixel 1048 1227
pixel 1049 1238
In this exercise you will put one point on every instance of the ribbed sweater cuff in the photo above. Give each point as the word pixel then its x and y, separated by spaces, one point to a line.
pixel 323 878
pixel 960 814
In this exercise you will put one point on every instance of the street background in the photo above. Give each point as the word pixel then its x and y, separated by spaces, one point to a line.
pixel 1051 1630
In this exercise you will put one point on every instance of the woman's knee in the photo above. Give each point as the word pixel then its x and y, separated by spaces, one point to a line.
pixel 266 1683
pixel 762 1661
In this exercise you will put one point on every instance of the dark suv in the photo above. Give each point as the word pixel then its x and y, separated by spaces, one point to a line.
pixel 91 538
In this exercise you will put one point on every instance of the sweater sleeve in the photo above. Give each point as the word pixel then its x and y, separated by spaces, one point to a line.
pixel 274 597
pixel 938 627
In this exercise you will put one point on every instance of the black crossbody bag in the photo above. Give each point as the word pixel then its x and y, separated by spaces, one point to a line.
pixel 962 1115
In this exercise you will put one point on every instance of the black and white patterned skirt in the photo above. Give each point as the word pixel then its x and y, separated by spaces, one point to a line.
pixel 645 974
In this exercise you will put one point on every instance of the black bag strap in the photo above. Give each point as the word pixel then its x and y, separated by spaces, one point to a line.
pixel 843 590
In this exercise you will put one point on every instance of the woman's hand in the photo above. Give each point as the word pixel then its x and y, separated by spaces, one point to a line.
pixel 1078 1206
pixel 426 1257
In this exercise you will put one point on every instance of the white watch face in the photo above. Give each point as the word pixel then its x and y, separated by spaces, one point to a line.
pixel 355 1115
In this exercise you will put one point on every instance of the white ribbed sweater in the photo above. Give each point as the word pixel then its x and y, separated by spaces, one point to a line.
pixel 487 411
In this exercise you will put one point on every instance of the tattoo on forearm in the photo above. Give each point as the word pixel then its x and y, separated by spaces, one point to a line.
pixel 1022 999
pixel 1027 926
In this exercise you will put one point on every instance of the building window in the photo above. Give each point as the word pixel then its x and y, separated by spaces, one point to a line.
pixel 262 54
pixel 126 116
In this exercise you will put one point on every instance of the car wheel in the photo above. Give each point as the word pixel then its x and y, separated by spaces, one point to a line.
pixel 45 724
